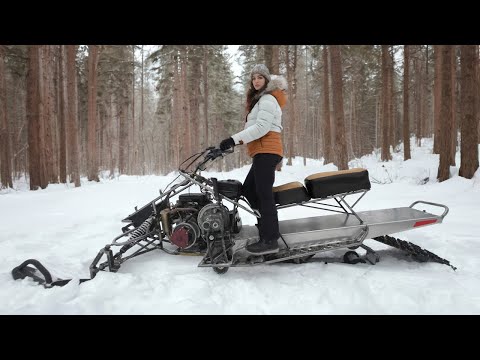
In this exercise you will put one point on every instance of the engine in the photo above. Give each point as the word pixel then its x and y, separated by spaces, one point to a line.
pixel 194 218
pixel 213 218
pixel 180 221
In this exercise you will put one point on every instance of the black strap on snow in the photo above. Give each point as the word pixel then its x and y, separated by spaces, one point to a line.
pixel 66 281
pixel 23 270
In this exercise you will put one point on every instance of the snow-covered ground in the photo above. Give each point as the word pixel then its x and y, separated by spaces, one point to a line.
pixel 64 228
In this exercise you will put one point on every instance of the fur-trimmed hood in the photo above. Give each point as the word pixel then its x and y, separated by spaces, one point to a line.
pixel 277 82
pixel 275 88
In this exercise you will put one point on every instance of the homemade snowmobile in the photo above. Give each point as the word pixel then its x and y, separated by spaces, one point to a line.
pixel 208 223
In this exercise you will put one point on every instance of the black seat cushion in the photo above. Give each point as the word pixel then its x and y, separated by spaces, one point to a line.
pixel 290 193
pixel 324 184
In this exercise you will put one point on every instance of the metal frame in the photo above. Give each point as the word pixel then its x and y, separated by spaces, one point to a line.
pixel 445 212
pixel 339 198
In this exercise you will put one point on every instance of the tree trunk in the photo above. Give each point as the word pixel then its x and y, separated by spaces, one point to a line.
pixel 187 134
pixel 337 88
pixel 391 102
pixel 72 125
pixel 428 94
pixel 33 118
pixel 5 157
pixel 349 124
pixel 275 69
pixel 292 111
pixel 327 136
pixel 406 122
pixel 354 121
pixel 111 119
pixel 271 53
pixel 177 114
pixel 92 161
pixel 133 153
pixel 445 114
pixel 17 148
pixel 385 105
pixel 477 90
pixel 205 94
pixel 61 116
pixel 48 115
pixel 418 97
pixel 437 93
pixel 468 123
pixel 268 56
pixel 423 96
pixel 41 118
pixel 194 91
pixel 142 117
pixel 123 133
pixel 453 140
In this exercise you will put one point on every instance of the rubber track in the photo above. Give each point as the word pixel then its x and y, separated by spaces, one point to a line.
pixel 418 253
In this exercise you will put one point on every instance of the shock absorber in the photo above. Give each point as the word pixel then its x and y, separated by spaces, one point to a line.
pixel 137 235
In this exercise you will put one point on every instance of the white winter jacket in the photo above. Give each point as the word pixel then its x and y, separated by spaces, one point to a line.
pixel 265 118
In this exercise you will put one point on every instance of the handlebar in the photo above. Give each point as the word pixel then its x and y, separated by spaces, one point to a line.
pixel 210 154
pixel 213 152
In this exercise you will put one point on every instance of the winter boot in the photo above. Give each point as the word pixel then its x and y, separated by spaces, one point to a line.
pixel 263 247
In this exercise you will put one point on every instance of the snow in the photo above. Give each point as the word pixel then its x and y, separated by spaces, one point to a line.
pixel 64 228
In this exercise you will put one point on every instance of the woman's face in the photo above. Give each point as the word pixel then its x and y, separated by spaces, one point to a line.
pixel 258 81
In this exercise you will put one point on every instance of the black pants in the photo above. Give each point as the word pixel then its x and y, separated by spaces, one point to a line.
pixel 257 188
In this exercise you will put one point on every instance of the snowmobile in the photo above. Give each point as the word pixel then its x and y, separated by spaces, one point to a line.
pixel 208 223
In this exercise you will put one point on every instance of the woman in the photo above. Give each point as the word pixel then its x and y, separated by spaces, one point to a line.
pixel 265 99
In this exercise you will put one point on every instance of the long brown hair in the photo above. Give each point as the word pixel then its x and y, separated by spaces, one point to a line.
pixel 254 95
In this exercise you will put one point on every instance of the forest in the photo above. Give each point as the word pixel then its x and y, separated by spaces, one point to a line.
pixel 72 111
